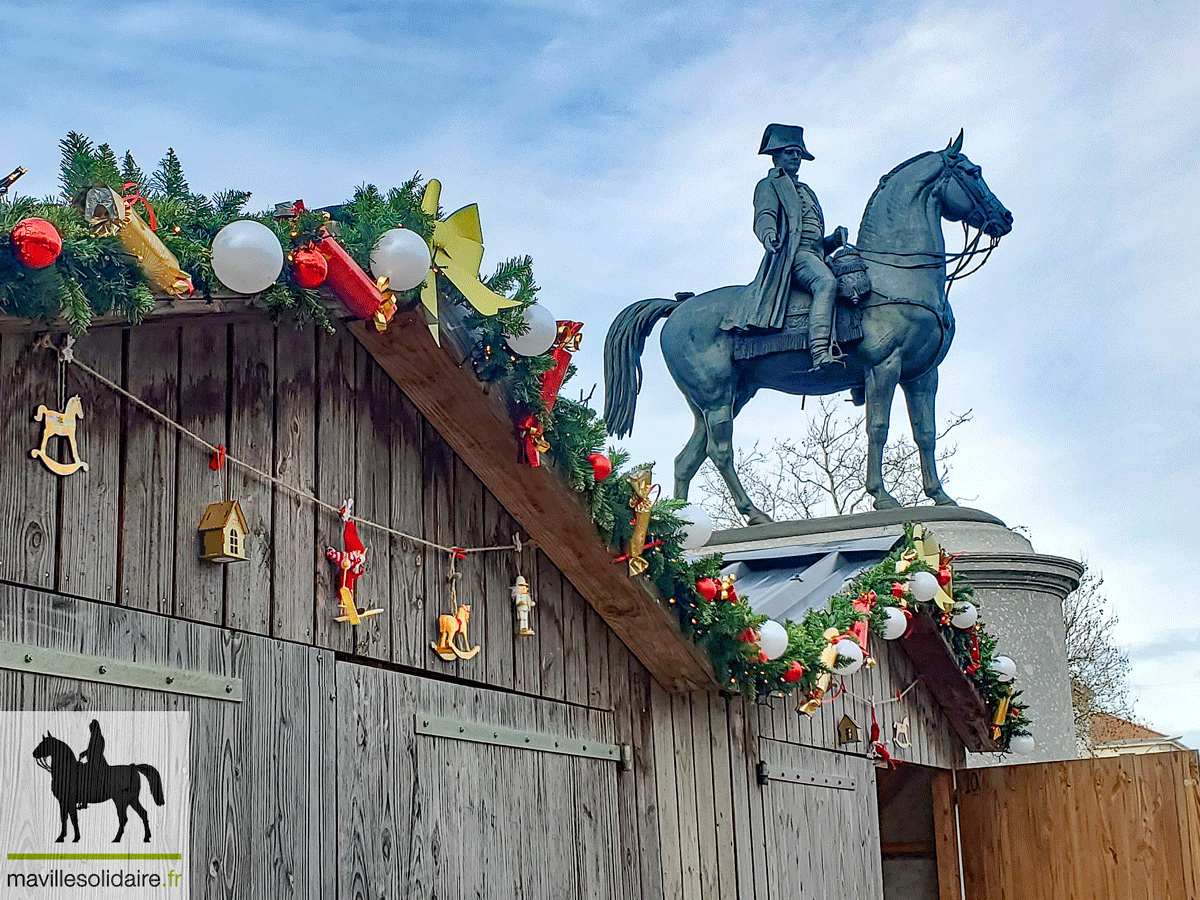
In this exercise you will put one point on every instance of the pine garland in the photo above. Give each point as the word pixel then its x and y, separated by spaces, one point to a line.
pixel 94 276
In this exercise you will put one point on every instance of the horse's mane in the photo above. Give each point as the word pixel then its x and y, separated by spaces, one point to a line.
pixel 886 177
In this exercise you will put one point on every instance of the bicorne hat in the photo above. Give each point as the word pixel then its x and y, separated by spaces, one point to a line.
pixel 776 137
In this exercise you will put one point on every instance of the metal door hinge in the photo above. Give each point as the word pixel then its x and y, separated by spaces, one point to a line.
pixel 64 664
pixel 795 776
pixel 499 735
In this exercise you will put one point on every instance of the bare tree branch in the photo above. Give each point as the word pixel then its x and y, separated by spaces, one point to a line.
pixel 824 472
pixel 1099 669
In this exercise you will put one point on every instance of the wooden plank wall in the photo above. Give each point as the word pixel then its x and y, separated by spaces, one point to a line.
pixel 1124 826
pixel 317 412
pixel 467 819
pixel 718 825
pixel 254 834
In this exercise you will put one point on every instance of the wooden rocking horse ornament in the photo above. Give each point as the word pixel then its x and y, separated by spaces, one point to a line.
pixel 60 424
pixel 452 630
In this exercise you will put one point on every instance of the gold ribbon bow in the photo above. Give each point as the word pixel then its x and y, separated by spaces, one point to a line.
pixel 810 707
pixel 456 250
pixel 1001 715
pixel 569 336
pixel 642 482
pixel 387 306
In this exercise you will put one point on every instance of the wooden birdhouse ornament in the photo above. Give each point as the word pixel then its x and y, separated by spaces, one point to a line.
pixel 223 531
pixel 847 731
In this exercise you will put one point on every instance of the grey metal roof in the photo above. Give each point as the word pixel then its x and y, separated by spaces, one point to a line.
pixel 786 582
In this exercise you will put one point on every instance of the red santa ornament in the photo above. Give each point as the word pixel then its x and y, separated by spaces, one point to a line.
pixel 351 563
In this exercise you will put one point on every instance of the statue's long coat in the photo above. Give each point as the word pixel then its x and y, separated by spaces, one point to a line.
pixel 789 209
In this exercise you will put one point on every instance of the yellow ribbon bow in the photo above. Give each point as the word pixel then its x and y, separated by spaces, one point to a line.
pixel 456 250
pixel 829 655
pixel 810 707
pixel 927 550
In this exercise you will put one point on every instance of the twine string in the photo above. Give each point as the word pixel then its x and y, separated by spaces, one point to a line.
pixel 66 356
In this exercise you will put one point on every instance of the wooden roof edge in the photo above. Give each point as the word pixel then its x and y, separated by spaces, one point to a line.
pixel 953 690
pixel 476 423
pixel 169 309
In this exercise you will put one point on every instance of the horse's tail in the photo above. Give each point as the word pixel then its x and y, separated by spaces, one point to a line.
pixel 623 348
pixel 152 776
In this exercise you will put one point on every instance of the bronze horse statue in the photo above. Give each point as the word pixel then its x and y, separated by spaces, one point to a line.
pixel 906 325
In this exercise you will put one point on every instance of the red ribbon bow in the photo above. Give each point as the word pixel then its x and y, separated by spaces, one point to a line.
pixel 877 746
pixel 217 463
pixel 132 200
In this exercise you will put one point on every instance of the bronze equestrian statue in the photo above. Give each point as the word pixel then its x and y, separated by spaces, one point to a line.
pixel 893 323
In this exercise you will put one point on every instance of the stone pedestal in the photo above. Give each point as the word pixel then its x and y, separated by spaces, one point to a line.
pixel 1020 595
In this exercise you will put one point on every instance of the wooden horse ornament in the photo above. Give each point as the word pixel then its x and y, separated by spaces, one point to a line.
pixel 60 424
pixel 452 641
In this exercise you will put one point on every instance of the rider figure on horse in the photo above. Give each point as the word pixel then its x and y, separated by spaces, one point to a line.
pixel 96 762
pixel 789 223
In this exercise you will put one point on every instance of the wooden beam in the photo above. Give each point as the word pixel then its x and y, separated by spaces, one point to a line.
pixel 945 836
pixel 476 423
pixel 950 686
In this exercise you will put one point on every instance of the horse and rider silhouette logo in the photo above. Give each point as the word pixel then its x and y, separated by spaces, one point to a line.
pixel 88 780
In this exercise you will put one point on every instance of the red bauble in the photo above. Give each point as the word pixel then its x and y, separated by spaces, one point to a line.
pixel 601 466
pixel 309 268
pixel 794 673
pixel 36 243
pixel 943 576
pixel 708 588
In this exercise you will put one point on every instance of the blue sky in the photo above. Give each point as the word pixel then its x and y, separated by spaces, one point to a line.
pixel 615 143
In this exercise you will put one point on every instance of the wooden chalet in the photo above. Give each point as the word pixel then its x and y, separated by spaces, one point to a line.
pixel 594 759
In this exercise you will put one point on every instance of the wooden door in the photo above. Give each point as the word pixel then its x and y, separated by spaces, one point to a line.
pixel 1125 828
pixel 822 824
pixel 423 815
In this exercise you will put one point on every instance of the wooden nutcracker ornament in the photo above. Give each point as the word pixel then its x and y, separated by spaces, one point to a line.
pixel 523 600
pixel 60 424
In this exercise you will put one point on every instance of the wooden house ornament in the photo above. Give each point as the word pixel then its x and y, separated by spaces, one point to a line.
pixel 847 731
pixel 223 532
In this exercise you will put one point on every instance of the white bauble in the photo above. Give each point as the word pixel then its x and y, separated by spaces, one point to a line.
pixel 247 256
pixel 772 639
pixel 924 586
pixel 1022 744
pixel 539 336
pixel 850 656
pixel 1004 668
pixel 964 615
pixel 402 257
pixel 697 528
pixel 896 624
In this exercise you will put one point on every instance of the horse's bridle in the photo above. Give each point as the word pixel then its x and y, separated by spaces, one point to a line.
pixel 971 247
